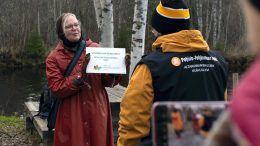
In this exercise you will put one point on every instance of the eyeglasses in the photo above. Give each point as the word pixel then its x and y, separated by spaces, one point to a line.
pixel 75 25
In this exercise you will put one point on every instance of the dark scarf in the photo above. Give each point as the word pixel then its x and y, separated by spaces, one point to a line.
pixel 71 46
pixel 256 4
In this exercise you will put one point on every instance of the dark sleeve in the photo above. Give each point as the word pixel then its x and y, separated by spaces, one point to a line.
pixel 110 80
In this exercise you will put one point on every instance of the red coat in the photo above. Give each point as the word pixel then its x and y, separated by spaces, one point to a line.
pixel 84 116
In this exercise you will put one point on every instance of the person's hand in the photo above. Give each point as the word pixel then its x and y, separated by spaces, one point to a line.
pixel 127 60
pixel 82 80
pixel 85 64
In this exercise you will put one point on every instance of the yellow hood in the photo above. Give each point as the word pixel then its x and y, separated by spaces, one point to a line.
pixel 183 41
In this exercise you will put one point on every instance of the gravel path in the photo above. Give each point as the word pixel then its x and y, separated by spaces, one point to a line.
pixel 14 134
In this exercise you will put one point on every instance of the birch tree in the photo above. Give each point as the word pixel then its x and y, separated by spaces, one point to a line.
pixel 107 36
pixel 208 22
pixel 104 16
pixel 98 10
pixel 226 33
pixel 38 21
pixel 214 13
pixel 18 19
pixel 199 14
pixel 138 32
pixel 219 19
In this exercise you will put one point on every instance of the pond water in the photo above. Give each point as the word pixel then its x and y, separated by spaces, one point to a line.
pixel 16 86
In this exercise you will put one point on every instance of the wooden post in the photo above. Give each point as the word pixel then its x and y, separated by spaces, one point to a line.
pixel 235 79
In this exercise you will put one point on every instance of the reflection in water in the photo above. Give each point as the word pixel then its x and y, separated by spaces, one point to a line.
pixel 16 86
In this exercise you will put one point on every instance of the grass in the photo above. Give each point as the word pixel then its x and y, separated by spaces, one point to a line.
pixel 13 132
pixel 11 121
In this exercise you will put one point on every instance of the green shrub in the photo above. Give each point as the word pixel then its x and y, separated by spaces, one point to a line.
pixel 220 46
pixel 35 47
pixel 34 50
pixel 239 63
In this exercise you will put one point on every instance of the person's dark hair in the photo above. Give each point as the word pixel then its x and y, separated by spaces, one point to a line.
pixel 255 3
pixel 59 29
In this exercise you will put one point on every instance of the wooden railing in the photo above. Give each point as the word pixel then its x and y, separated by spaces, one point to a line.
pixel 40 125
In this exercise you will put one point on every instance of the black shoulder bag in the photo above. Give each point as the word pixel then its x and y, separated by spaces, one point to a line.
pixel 55 105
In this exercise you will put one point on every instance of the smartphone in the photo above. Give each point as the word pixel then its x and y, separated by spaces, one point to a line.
pixel 184 123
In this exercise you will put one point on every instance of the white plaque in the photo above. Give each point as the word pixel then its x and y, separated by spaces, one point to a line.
pixel 106 60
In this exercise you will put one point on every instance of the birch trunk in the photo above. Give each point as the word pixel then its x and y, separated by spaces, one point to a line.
pixel 226 33
pixel 219 19
pixel 98 10
pixel 138 32
pixel 104 17
pixel 214 13
pixel 107 28
pixel 60 6
pixel 241 24
pixel 199 14
pixel 38 22
pixel 54 12
pixel 208 22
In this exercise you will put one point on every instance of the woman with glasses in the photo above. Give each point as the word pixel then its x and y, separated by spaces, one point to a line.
pixel 84 116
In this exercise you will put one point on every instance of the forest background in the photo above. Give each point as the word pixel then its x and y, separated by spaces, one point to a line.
pixel 27 28
pixel 27 34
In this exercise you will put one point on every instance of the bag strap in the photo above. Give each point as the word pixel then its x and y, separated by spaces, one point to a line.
pixel 51 120
pixel 75 58
pixel 71 64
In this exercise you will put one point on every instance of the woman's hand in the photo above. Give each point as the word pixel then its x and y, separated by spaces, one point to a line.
pixel 85 64
pixel 127 60
pixel 83 80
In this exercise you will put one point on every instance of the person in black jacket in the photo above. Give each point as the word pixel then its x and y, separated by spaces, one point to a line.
pixel 181 68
